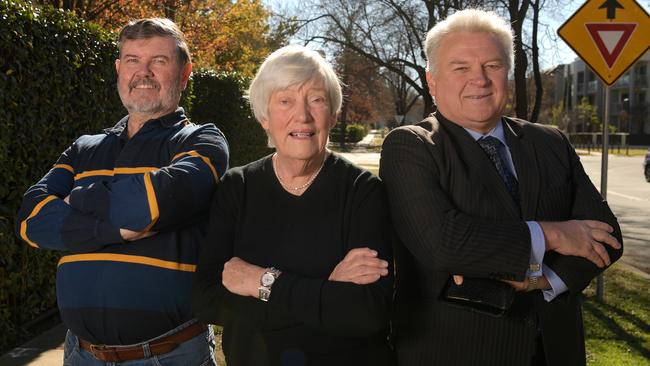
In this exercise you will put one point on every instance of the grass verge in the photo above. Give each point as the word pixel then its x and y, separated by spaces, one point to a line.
pixel 617 331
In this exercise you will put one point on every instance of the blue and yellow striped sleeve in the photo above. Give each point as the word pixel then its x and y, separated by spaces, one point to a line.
pixel 46 221
pixel 149 198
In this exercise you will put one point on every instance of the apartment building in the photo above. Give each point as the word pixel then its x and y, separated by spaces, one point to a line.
pixel 629 97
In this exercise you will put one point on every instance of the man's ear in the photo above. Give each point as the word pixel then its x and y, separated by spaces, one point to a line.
pixel 185 74
pixel 117 65
pixel 431 83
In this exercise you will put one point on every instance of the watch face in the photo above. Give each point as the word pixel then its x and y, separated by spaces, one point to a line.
pixel 268 279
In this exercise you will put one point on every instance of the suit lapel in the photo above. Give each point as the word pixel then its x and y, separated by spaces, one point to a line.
pixel 525 161
pixel 481 168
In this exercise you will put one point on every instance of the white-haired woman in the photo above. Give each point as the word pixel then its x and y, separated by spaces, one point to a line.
pixel 296 265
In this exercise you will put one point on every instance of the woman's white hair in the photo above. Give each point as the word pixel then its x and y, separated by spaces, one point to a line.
pixel 472 21
pixel 292 65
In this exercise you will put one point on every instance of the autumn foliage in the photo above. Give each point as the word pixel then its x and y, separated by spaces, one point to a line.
pixel 367 98
pixel 223 35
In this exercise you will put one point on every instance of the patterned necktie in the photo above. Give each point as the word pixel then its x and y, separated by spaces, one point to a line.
pixel 491 146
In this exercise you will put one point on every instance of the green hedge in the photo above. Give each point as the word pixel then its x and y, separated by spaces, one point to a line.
pixel 356 132
pixel 57 81
pixel 218 98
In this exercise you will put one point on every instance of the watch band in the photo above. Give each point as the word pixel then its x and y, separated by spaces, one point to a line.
pixel 533 283
pixel 266 282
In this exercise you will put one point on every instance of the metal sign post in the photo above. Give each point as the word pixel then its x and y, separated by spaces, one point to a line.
pixel 609 36
pixel 603 180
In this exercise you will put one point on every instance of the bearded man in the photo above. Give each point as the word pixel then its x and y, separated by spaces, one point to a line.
pixel 128 208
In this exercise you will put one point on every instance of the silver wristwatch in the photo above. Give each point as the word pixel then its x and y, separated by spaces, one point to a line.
pixel 266 282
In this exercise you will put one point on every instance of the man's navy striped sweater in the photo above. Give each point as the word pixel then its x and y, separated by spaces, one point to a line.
pixel 112 291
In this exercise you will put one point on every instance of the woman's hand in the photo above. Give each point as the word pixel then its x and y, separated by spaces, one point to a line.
pixel 241 277
pixel 360 266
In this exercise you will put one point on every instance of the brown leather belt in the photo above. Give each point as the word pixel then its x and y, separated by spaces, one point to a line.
pixel 156 347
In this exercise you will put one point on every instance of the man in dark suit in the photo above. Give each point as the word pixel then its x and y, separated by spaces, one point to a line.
pixel 482 196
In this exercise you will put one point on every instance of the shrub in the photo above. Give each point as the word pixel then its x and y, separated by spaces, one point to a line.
pixel 219 98
pixel 57 81
pixel 356 132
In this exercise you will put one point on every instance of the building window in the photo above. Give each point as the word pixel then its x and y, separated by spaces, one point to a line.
pixel 641 78
pixel 591 76
pixel 581 82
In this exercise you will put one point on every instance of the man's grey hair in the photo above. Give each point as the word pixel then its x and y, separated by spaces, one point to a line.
pixel 473 21
pixel 288 66
pixel 156 27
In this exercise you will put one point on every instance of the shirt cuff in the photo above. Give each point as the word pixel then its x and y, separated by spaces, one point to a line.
pixel 538 248
pixel 558 286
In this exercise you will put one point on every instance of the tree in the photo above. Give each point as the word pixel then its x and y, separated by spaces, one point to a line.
pixel 386 32
pixel 365 91
pixel 223 35
pixel 366 97
pixel 587 115
pixel 403 95
pixel 390 34
pixel 539 85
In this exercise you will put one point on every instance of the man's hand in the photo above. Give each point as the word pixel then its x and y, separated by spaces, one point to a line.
pixel 581 238
pixel 130 235
pixel 360 266
pixel 542 283
pixel 241 277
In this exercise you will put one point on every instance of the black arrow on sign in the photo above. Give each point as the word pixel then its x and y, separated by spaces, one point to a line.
pixel 611 6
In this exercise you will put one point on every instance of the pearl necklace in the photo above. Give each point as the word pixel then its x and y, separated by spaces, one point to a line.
pixel 304 186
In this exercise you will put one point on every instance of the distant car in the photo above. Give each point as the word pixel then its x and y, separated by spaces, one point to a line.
pixel 646 165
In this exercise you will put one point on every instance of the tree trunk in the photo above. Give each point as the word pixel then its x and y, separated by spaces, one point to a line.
pixel 539 87
pixel 517 17
pixel 344 108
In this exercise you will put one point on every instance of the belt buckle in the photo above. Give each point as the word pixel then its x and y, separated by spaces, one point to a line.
pixel 97 347
pixel 106 353
pixel 98 350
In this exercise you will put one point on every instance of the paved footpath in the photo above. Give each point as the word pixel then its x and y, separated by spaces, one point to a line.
pixel 44 350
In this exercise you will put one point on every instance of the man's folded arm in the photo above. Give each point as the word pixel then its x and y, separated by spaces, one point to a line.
pixel 588 204
pixel 46 221
pixel 164 198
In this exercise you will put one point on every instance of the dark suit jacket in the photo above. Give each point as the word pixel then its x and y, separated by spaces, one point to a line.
pixel 454 215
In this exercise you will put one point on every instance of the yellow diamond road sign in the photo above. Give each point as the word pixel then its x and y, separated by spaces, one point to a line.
pixel 609 35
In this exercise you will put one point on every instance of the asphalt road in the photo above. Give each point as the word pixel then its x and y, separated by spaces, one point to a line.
pixel 628 195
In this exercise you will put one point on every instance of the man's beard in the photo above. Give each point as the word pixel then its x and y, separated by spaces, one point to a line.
pixel 152 106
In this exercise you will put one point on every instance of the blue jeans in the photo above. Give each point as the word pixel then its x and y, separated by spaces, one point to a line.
pixel 198 351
